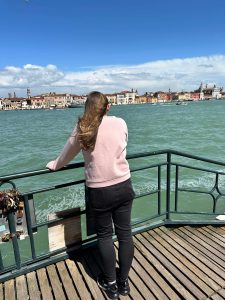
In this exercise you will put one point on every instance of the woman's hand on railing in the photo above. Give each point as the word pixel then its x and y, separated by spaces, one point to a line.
pixel 51 165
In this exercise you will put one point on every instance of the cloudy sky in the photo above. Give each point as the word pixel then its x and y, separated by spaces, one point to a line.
pixel 83 45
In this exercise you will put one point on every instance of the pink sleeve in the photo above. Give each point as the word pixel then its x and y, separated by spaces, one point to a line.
pixel 70 150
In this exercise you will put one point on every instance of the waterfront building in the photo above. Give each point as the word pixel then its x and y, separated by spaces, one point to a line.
pixel 222 95
pixel 183 96
pixel 112 98
pixel 57 100
pixel 78 99
pixel 38 102
pixel 162 96
pixel 141 99
pixel 126 97
pixel 207 92
pixel 194 96
pixel 13 103
pixel 1 104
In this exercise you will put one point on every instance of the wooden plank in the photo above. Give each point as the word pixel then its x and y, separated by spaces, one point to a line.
pixel 140 285
pixel 21 288
pixel 55 283
pixel 33 289
pixel 187 267
pixel 78 280
pixel 143 246
pixel 216 297
pixel 216 231
pixel 202 271
pixel 1 291
pixel 222 228
pixel 148 281
pixel 213 235
pixel 156 282
pixel 222 292
pixel 66 281
pixel 44 284
pixel 211 253
pixel 64 232
pixel 9 290
pixel 134 293
pixel 91 283
pixel 213 270
pixel 176 266
pixel 207 241
pixel 213 262
pixel 95 265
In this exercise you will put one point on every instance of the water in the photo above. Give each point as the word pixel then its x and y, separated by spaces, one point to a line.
pixel 29 139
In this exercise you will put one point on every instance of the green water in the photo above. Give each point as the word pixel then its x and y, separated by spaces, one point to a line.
pixel 29 139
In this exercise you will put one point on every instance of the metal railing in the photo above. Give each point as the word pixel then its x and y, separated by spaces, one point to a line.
pixel 167 191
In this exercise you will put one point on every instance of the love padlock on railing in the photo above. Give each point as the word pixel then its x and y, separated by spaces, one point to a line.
pixel 9 199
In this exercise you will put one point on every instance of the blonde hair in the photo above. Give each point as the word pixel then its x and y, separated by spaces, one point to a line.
pixel 95 108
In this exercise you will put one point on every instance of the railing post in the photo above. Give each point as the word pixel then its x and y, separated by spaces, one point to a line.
pixel 1 263
pixel 168 182
pixel 176 187
pixel 12 229
pixel 29 225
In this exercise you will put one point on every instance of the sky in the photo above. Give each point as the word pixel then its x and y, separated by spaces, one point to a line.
pixel 77 46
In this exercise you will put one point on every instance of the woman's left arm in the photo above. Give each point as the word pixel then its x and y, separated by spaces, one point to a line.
pixel 70 150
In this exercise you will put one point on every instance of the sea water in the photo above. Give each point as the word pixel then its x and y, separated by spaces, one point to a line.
pixel 31 138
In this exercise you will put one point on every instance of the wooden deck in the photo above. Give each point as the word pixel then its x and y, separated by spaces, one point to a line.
pixel 170 263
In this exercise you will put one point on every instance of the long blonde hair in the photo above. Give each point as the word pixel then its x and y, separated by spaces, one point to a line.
pixel 87 126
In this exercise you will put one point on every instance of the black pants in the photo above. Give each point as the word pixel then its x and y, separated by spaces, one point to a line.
pixel 112 205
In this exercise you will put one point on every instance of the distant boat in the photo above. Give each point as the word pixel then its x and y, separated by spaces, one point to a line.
pixel 181 103
pixel 75 105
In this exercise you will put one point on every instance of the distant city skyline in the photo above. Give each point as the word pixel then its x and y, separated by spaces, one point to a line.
pixel 79 46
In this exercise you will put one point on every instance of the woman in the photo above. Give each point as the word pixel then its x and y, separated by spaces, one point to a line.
pixel 103 141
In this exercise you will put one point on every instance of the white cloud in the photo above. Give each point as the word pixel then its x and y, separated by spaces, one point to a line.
pixel 176 74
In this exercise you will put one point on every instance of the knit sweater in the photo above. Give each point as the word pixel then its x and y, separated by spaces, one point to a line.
pixel 106 164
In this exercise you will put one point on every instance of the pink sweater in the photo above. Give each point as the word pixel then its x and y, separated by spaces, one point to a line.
pixel 106 164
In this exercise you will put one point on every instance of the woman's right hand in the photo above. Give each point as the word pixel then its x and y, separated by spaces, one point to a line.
pixel 51 165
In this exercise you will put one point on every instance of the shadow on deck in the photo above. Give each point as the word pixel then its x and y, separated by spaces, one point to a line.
pixel 170 263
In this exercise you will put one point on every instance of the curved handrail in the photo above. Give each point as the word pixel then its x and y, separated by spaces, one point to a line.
pixel 130 156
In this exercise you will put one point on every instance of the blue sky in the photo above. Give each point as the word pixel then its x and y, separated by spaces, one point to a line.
pixel 79 45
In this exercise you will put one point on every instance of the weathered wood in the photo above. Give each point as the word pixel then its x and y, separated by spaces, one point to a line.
pixel 181 271
pixel 143 246
pixel 78 280
pixel 134 292
pixel 91 282
pixel 9 290
pixel 207 240
pixel 66 281
pixel 202 271
pixel 169 264
pixel 64 232
pixel 213 262
pixel 44 284
pixel 55 283
pixel 33 289
pixel 21 288
pixel 143 282
pixel 152 278
pixel 1 291
pixel 211 253
pixel 216 297
pixel 222 292
pixel 181 262
pixel 217 232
